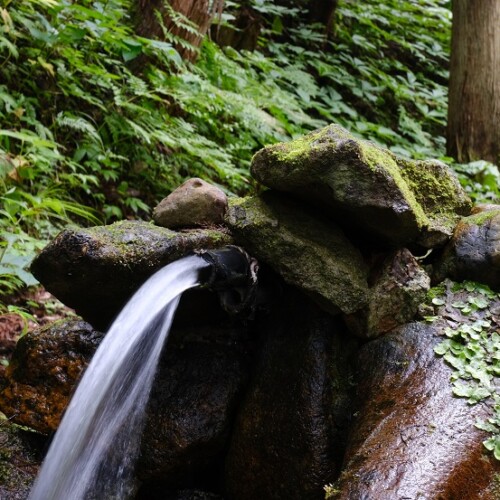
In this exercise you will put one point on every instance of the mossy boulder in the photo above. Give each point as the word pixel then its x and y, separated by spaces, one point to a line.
pixel 96 270
pixel 360 184
pixel 474 251
pixel 44 369
pixel 306 250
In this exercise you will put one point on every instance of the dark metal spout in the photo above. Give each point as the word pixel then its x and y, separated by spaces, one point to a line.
pixel 233 274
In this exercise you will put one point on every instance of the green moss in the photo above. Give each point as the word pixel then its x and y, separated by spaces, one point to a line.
pixel 481 218
pixel 292 151
pixel 376 159
pixel 436 291
pixel 435 187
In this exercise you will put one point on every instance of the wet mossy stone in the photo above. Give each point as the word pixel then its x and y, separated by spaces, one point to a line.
pixel 96 270
pixel 306 250
pixel 44 369
pixel 474 251
pixel 360 184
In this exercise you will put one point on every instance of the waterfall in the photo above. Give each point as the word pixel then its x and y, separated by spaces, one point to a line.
pixel 93 452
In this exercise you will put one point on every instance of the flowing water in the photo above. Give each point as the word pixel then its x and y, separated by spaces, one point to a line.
pixel 93 452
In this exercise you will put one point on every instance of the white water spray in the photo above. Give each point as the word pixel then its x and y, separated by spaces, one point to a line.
pixel 93 452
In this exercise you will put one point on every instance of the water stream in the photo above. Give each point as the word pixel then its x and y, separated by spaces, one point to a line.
pixel 94 450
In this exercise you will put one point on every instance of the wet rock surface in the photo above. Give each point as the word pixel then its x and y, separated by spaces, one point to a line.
pixel 358 183
pixel 193 403
pixel 303 248
pixel 194 203
pixel 399 287
pixel 411 437
pixel 96 270
pixel 43 371
pixel 21 453
pixel 474 251
pixel 290 433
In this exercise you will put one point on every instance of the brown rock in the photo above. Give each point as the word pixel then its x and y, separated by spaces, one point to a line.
pixel 43 371
pixel 411 437
pixel 194 203
pixel 398 290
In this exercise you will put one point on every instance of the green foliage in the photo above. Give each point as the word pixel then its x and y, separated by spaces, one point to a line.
pixel 481 180
pixel 383 75
pixel 472 348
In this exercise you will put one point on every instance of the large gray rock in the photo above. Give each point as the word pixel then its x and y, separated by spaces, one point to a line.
pixel 194 203
pixel 411 438
pixel 302 247
pixel 399 287
pixel 96 270
pixel 289 437
pixel 357 183
pixel 474 251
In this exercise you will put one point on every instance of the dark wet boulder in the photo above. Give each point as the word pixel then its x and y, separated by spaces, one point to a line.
pixel 306 250
pixel 43 371
pixel 194 203
pixel 399 287
pixel 474 251
pixel 193 403
pixel 148 494
pixel 364 186
pixel 20 457
pixel 290 433
pixel 411 438
pixel 96 270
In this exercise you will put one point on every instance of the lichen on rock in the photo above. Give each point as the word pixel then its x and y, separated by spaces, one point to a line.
pixel 355 181
pixel 308 251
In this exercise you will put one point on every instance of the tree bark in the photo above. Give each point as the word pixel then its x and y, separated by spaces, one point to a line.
pixel 474 93
pixel 199 12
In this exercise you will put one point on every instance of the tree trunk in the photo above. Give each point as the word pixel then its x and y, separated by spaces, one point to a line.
pixel 198 12
pixel 474 93
pixel 323 11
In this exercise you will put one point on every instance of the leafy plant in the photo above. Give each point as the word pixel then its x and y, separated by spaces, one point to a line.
pixel 472 349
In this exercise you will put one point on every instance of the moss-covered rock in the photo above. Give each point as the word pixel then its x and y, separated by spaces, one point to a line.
pixel 474 251
pixel 43 372
pixel 308 251
pixel 358 183
pixel 96 270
